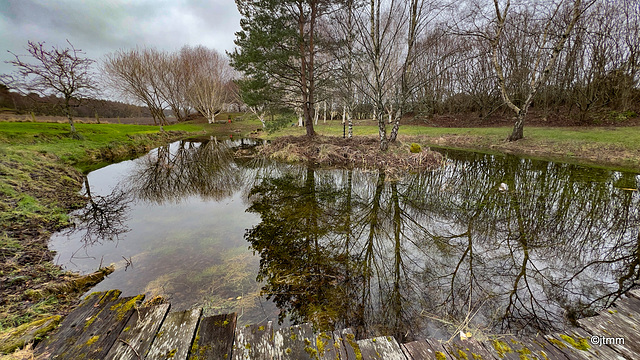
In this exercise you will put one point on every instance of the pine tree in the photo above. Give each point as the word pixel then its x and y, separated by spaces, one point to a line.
pixel 276 51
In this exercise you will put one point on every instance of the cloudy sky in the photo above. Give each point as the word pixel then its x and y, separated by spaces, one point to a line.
pixel 99 27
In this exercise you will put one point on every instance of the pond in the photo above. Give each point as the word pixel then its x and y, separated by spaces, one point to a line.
pixel 486 243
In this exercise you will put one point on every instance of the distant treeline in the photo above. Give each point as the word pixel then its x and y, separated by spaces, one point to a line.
pixel 51 106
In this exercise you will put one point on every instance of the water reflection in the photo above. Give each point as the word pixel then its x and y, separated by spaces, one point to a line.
pixel 347 248
pixel 104 217
pixel 183 207
pixel 205 169
pixel 350 249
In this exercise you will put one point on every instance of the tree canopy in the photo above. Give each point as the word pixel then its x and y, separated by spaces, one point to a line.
pixel 276 51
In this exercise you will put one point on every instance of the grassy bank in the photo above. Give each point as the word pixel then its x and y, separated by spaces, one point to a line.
pixel 612 147
pixel 40 177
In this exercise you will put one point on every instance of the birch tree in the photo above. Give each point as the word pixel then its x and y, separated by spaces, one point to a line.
pixel 549 47
pixel 209 75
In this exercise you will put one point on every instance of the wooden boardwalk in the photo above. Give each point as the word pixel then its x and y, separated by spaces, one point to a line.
pixel 106 326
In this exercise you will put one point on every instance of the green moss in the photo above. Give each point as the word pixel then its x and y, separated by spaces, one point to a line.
pixel 321 343
pixel 462 355
pixel 501 347
pixel 92 319
pixel 123 307
pixel 110 296
pixel 415 148
pixel 171 353
pixel 26 333
pixel 288 351
pixel 92 340
pixel 261 328
pixel 194 346
pixel 126 329
pixel 558 343
pixel 440 355
pixel 356 349
pixel 581 344
pixel 247 346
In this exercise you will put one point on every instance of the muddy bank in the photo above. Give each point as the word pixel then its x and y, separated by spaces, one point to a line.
pixel 362 152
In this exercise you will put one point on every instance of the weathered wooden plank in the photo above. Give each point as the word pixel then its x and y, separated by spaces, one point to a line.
pixel 214 338
pixel 254 342
pixel 614 325
pixel 575 344
pixel 440 350
pixel 418 350
pixel 382 347
pixel 173 340
pixel 604 352
pixel 328 348
pixel 339 346
pixel 102 330
pixel 295 343
pixel 467 349
pixel 73 325
pixel 346 344
pixel 511 348
pixel 635 293
pixel 629 306
pixel 136 337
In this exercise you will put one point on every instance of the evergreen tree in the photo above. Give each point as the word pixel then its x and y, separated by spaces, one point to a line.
pixel 276 51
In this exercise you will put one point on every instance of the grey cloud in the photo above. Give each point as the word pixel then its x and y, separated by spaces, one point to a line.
pixel 99 27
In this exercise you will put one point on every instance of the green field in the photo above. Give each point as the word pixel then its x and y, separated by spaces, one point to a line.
pixel 612 147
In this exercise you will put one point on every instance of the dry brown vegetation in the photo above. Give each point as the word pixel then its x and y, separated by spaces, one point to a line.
pixel 362 152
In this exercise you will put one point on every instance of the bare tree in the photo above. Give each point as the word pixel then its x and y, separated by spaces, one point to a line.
pixel 544 61
pixel 210 74
pixel 174 76
pixel 59 72
pixel 135 73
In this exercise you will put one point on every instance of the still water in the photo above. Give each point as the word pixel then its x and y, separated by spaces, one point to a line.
pixel 494 244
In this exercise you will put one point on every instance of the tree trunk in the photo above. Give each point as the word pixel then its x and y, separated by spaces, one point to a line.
pixel 518 127
pixel 396 128
pixel 67 109
pixel 384 143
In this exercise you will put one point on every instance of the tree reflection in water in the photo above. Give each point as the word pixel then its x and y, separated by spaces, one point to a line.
pixel 205 169
pixel 103 218
pixel 352 249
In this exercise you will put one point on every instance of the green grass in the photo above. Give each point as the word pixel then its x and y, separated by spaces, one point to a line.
pixel 53 138
pixel 611 147
pixel 628 137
